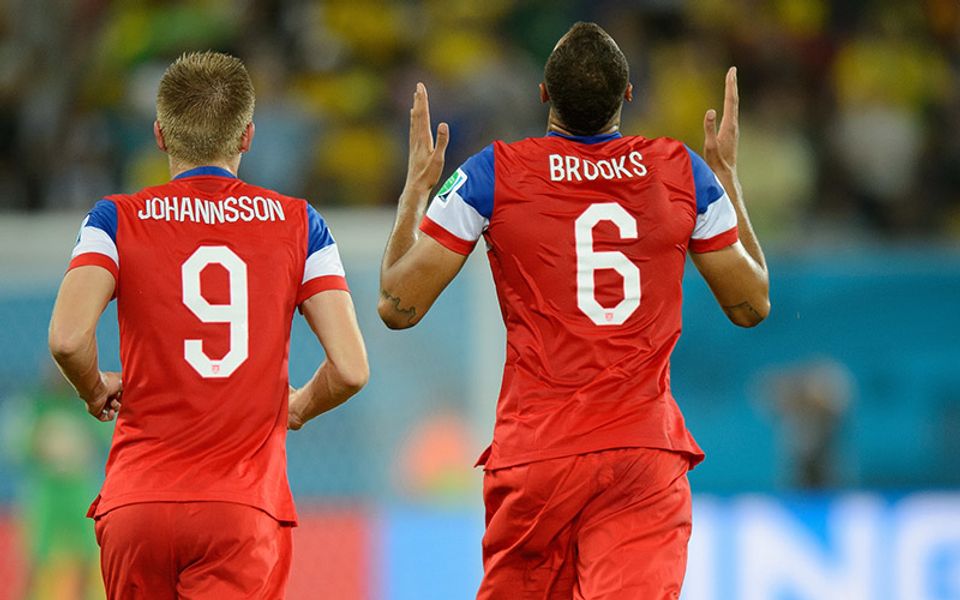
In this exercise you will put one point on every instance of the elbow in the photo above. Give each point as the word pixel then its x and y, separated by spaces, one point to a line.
pixel 64 343
pixel 356 376
pixel 393 318
pixel 751 314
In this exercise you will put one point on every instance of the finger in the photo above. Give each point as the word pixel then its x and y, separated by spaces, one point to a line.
pixel 710 130
pixel 416 115
pixel 420 118
pixel 425 102
pixel 731 101
pixel 443 138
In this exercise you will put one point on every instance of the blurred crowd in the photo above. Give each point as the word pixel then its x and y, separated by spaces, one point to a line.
pixel 850 108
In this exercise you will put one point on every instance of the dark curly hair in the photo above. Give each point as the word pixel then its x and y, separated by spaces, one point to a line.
pixel 586 76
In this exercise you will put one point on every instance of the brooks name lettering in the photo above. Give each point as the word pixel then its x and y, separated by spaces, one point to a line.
pixel 575 168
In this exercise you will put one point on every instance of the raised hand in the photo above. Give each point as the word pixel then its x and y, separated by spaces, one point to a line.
pixel 425 163
pixel 720 148
pixel 106 403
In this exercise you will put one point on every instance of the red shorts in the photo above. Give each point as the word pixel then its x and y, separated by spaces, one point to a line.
pixel 609 525
pixel 188 550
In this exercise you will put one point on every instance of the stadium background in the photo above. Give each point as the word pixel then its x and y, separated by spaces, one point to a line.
pixel 832 431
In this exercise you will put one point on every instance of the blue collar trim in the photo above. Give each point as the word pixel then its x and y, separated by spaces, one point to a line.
pixel 199 171
pixel 587 139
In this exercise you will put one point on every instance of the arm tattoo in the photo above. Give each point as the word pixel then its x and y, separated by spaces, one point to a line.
pixel 730 310
pixel 410 313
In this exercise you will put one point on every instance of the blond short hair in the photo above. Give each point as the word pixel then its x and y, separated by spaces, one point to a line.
pixel 204 105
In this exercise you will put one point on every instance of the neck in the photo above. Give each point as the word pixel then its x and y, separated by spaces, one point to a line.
pixel 177 167
pixel 554 124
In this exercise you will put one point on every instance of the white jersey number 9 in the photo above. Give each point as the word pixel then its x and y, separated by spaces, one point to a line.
pixel 589 261
pixel 235 313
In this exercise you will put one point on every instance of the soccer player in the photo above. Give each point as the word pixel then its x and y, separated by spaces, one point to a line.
pixel 587 232
pixel 207 271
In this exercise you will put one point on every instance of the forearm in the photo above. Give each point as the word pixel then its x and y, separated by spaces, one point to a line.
pixel 80 365
pixel 326 390
pixel 410 209
pixel 395 307
pixel 731 183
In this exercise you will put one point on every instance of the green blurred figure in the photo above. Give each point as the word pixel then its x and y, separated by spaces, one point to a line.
pixel 58 449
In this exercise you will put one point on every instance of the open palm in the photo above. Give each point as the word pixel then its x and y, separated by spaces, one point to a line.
pixel 720 147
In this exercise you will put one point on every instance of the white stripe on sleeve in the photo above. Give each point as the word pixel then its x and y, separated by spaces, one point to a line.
pixel 94 239
pixel 457 217
pixel 719 217
pixel 323 262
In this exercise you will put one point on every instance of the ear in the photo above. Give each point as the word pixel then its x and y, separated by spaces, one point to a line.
pixel 544 96
pixel 247 138
pixel 628 95
pixel 158 135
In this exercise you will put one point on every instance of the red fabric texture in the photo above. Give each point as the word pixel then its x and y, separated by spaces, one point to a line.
pixel 611 525
pixel 193 551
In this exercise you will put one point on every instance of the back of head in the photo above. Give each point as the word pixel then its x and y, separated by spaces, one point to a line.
pixel 586 77
pixel 204 105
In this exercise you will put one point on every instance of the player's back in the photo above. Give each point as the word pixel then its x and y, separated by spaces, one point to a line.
pixel 211 270
pixel 587 239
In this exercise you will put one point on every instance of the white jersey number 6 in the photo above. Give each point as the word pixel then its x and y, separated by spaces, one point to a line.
pixel 589 261
pixel 235 312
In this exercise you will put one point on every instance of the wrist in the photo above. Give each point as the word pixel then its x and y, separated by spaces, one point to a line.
pixel 294 420
pixel 723 169
pixel 91 395
pixel 416 188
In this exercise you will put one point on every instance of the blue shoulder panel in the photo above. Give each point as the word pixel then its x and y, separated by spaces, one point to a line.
pixel 708 189
pixel 477 189
pixel 318 235
pixel 103 216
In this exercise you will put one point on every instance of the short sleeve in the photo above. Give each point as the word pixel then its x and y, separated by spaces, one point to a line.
pixel 461 211
pixel 322 269
pixel 716 225
pixel 97 240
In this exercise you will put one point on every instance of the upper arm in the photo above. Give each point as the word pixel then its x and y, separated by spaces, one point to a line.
pixel 418 278
pixel 737 281
pixel 332 318
pixel 85 292
pixel 324 299
pixel 91 278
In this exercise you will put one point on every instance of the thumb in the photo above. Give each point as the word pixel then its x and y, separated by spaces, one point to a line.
pixel 710 130
pixel 443 138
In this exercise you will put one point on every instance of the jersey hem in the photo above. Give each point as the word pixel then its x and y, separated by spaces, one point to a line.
pixel 100 507
pixel 695 455
pixel 445 238
pixel 717 242
pixel 95 259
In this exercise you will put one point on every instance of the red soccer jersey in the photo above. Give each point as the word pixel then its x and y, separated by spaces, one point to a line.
pixel 209 273
pixel 587 239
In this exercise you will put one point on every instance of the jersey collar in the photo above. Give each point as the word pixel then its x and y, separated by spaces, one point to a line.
pixel 587 139
pixel 209 171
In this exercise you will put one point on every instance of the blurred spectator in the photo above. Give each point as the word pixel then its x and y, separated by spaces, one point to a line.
pixel 434 460
pixel 809 402
pixel 60 451
pixel 851 110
